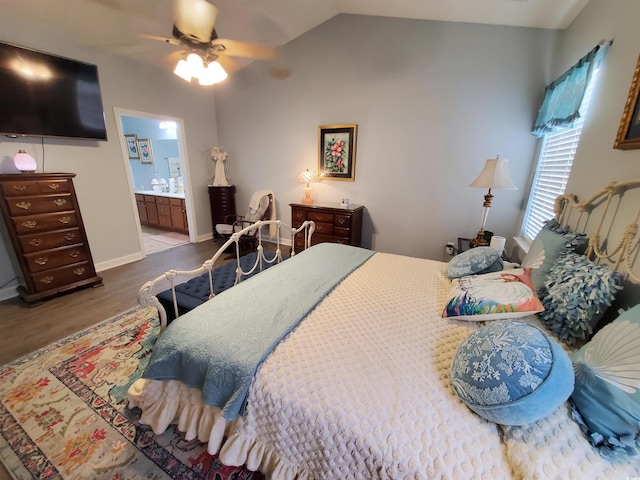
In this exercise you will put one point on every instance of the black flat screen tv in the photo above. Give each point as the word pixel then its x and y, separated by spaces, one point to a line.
pixel 45 95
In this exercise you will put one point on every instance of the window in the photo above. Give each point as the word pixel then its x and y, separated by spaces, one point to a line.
pixel 553 169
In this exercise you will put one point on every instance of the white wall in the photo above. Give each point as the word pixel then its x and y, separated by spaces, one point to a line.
pixel 101 182
pixel 432 101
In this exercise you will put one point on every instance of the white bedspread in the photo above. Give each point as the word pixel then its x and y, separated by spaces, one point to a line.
pixel 361 389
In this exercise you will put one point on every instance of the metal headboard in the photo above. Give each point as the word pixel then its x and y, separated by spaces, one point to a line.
pixel 610 224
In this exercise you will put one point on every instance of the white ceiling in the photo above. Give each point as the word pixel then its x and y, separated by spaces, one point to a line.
pixel 115 25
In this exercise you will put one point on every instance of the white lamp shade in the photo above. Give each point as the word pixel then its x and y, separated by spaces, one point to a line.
pixel 25 162
pixel 214 73
pixel 495 174
pixel 182 70
pixel 307 177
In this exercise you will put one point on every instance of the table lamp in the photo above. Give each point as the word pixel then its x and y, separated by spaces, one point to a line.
pixel 495 174
pixel 307 178
pixel 25 162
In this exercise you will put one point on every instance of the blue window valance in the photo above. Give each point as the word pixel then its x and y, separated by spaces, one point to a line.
pixel 563 97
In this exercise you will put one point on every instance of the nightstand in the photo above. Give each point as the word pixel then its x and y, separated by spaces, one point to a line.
pixel 334 223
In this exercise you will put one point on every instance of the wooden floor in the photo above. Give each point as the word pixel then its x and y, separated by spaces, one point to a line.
pixel 24 329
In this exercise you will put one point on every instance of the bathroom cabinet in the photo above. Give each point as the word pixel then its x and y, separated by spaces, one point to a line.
pixel 162 211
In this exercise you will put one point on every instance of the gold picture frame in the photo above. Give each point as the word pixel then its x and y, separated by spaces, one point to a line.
pixel 628 137
pixel 146 154
pixel 132 146
pixel 337 152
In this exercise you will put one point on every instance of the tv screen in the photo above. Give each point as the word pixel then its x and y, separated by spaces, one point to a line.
pixel 45 95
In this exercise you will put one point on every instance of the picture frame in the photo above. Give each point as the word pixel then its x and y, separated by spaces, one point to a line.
pixel 337 152
pixel 132 146
pixel 146 153
pixel 628 136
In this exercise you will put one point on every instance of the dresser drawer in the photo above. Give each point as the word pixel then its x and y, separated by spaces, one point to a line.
pixel 43 204
pixel 298 216
pixel 326 228
pixel 59 257
pixel 54 185
pixel 20 187
pixel 47 221
pixel 320 216
pixel 62 277
pixel 45 241
pixel 322 238
pixel 343 221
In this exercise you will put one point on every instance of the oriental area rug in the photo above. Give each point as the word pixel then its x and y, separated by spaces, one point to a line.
pixel 64 415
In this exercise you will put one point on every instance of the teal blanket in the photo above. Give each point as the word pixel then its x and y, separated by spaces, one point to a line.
pixel 218 346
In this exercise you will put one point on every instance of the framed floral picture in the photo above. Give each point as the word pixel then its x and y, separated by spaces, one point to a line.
pixel 132 146
pixel 144 147
pixel 337 152
pixel 628 136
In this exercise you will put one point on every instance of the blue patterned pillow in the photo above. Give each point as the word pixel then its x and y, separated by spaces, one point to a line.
pixel 606 397
pixel 511 373
pixel 474 261
pixel 577 294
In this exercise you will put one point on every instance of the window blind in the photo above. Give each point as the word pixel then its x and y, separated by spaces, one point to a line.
pixel 554 166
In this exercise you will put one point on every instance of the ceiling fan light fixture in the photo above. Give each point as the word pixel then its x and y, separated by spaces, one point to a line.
pixel 182 70
pixel 214 73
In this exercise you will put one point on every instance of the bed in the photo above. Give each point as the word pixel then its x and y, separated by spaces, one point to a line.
pixel 358 383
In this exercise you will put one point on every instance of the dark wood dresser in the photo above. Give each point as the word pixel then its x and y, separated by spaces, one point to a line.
pixel 43 220
pixel 334 223
pixel 223 204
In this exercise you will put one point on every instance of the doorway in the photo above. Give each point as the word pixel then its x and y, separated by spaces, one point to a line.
pixel 155 157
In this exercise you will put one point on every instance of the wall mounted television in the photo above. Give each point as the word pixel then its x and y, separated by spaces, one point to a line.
pixel 45 95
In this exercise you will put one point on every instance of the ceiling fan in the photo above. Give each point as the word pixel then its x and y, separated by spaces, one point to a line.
pixel 202 54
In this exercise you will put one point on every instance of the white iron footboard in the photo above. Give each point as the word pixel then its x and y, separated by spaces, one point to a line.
pixel 147 297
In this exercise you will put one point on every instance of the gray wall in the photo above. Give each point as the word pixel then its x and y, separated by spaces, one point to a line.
pixel 101 182
pixel 432 101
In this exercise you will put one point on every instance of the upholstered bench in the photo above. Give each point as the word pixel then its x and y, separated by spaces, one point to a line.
pixel 194 292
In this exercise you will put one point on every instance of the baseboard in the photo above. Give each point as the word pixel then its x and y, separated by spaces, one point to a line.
pixel 8 292
pixel 117 262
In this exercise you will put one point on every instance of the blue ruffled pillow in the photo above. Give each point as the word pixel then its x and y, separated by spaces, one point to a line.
pixel 552 242
pixel 578 293
pixel 475 261
pixel 606 398
pixel 511 373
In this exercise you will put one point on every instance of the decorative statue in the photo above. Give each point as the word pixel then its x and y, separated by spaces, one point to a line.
pixel 218 157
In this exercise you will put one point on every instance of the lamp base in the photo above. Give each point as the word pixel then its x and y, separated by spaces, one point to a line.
pixel 479 241
pixel 307 200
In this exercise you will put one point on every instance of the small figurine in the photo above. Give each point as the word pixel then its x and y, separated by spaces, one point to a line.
pixel 219 157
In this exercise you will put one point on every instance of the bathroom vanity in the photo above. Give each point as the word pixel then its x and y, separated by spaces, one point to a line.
pixel 162 210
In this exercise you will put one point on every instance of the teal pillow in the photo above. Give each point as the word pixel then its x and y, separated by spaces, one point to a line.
pixel 543 253
pixel 511 373
pixel 475 261
pixel 577 293
pixel 576 241
pixel 606 398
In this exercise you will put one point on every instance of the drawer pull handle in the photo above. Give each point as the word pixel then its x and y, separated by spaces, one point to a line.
pixel 54 186
pixel 59 202
pixel 29 224
pixel 78 271
pixel 23 205
pixel 74 253
pixel 47 279
pixel 20 188
pixel 41 260
pixel 341 221
pixel 34 242
pixel 70 236
pixel 64 219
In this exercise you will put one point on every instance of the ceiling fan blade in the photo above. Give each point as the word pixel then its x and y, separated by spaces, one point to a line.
pixel 158 38
pixel 235 48
pixel 195 18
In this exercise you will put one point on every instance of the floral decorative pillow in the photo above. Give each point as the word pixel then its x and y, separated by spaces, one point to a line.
pixel 475 260
pixel 511 373
pixel 491 296
pixel 606 397
pixel 577 294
